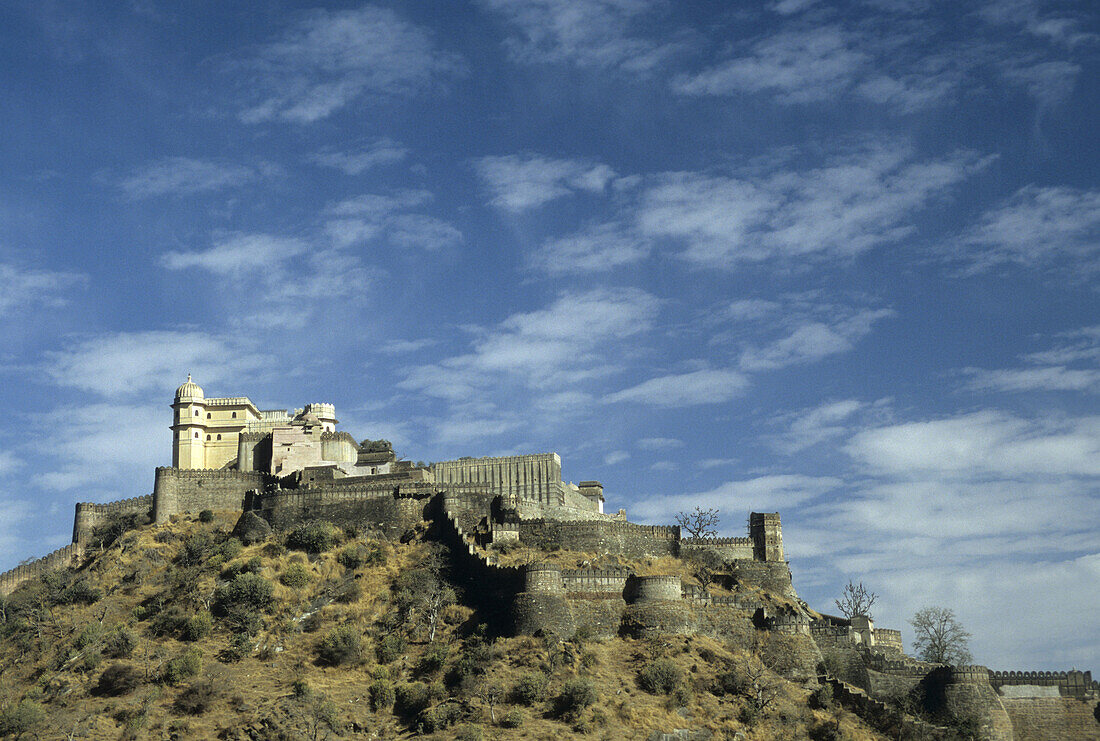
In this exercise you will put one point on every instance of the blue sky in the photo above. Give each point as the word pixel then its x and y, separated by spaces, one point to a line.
pixel 838 260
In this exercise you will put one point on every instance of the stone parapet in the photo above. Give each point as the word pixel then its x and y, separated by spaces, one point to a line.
pixel 90 515
pixel 62 558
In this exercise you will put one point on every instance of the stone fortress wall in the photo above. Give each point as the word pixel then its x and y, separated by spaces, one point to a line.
pixel 63 558
pixel 90 515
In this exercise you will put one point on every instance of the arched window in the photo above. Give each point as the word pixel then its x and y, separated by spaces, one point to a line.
pixel 234 415
pixel 219 437
pixel 196 412
pixel 208 415
pixel 207 437
pixel 196 435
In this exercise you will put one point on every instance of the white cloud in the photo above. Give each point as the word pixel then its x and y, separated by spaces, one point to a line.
pixel 521 182
pixel 419 231
pixel 800 66
pixel 1063 29
pixel 329 59
pixel 810 427
pixel 1037 227
pixel 601 248
pixel 242 254
pixel 8 462
pixel 1049 83
pixel 982 444
pixel 183 176
pixel 123 364
pixel 26 287
pixel 398 347
pixel 616 456
pixel 390 218
pixel 708 386
pixel 659 443
pixel 1052 378
pixel 587 33
pixel 762 494
pixel 379 153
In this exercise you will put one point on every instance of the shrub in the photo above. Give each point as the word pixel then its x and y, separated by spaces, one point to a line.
pixel 15 720
pixel 412 699
pixel 301 689
pixel 197 549
pixel 732 682
pixel 576 695
pixel 382 695
pixel 468 732
pixel 273 550
pixel 512 719
pixel 235 569
pixel 207 515
pixel 822 698
pixel 239 647
pixel 390 648
pixel 660 677
pixel 89 636
pixel 247 593
pixel 197 697
pixel 433 659
pixel 119 644
pixel 351 557
pixel 296 576
pixel 440 717
pixel 342 645
pixel 312 537
pixel 170 622
pixel 184 666
pixel 198 626
pixel 118 679
pixel 529 689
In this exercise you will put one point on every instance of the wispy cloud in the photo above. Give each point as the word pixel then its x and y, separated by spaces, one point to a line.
pixel 1048 370
pixel 769 493
pixel 329 59
pixel 124 364
pixel 586 33
pixel 659 443
pixel 353 162
pixel 828 422
pixel 25 286
pixel 390 217
pixel 854 201
pixel 245 253
pixel 1056 26
pixel 707 386
pixel 184 176
pixel 1037 226
pixel 520 182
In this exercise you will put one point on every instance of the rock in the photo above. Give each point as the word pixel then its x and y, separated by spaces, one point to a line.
pixel 251 528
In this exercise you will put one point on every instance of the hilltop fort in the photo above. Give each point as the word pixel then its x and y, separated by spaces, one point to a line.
pixel 277 469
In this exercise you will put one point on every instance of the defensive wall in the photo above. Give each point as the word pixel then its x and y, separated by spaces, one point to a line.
pixel 62 558
pixel 381 506
pixel 620 538
pixel 90 515
pixel 534 478
pixel 729 549
pixel 178 490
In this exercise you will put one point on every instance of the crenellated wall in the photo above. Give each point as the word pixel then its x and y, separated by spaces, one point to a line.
pixel 728 549
pixel 90 515
pixel 534 478
pixel 62 558
pixel 1069 684
pixel 192 490
pixel 611 537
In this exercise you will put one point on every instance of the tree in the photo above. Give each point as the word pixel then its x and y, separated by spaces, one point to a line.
pixel 700 523
pixel 939 637
pixel 857 600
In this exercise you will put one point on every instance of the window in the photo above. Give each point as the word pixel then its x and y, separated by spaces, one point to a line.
pixel 207 437
pixel 196 412
pixel 234 415
pixel 196 435
pixel 219 437
pixel 208 415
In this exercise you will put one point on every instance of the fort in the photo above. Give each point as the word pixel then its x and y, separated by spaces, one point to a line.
pixel 276 469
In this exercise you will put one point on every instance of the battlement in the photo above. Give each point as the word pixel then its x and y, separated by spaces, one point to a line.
pixel 716 541
pixel 1070 684
pixel 340 435
pixel 62 558
pixel 90 515
pixel 205 473
pixel 970 674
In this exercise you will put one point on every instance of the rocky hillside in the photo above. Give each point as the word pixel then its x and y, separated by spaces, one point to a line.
pixel 182 631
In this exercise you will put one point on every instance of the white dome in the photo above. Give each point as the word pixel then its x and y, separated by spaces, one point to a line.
pixel 189 389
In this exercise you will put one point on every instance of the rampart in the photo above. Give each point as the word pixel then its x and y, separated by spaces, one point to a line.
pixel 192 490
pixel 383 506
pixel 619 538
pixel 729 549
pixel 90 515
pixel 1069 684
pixel 534 477
pixel 62 558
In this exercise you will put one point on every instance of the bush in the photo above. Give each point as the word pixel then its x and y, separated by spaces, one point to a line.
pixel 207 515
pixel 440 717
pixel 198 627
pixel 89 636
pixel 171 622
pixel 382 695
pixel 390 648
pixel 184 666
pixel 512 719
pixel 576 695
pixel 412 699
pixel 197 697
pixel 301 689
pixel 468 732
pixel 822 698
pixel 247 593
pixel 433 659
pixel 119 644
pixel 239 647
pixel 347 591
pixel 529 689
pixel 660 677
pixel 342 645
pixel 197 549
pixel 351 557
pixel 312 537
pixel 235 569
pixel 296 576
pixel 118 679
pixel 15 720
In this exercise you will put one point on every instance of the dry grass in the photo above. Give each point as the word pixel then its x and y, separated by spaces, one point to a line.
pixel 260 687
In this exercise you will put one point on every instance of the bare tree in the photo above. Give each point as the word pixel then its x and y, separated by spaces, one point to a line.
pixel 700 523
pixel 939 637
pixel 856 600
pixel 491 693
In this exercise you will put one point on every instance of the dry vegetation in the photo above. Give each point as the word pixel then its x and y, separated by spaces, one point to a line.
pixel 180 632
